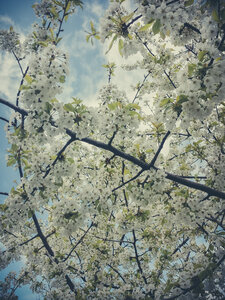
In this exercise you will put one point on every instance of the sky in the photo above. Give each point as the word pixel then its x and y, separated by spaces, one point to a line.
pixel 86 76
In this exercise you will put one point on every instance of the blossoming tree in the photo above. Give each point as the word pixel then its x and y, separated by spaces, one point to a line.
pixel 104 210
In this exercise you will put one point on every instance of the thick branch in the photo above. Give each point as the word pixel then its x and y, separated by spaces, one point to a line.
pixel 14 107
pixel 145 166
pixel 41 235
pixel 5 194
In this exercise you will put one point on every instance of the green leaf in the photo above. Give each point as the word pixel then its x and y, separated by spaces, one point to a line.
pixel 126 172
pixel 58 3
pixel 145 27
pixel 68 7
pixel 188 3
pixel 182 99
pixel 162 34
pixel 44 44
pixel 52 32
pixel 66 17
pixel 165 101
pixel 11 161
pixel 191 69
pixel 156 26
pixel 54 12
pixel 58 40
pixel 112 42
pixel 69 107
pixel 62 78
pixel 114 105
pixel 54 100
pixel 48 107
pixel 76 101
pixel 127 18
pixel 114 21
pixel 30 214
pixel 28 79
pixel 120 45
pixel 71 160
pixel 133 106
pixel 97 37
pixel 78 3
pixel 201 55
pixel 92 26
pixel 215 16
pixel 88 37
pixel 3 207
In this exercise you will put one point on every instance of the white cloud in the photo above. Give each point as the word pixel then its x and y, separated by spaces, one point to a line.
pixel 6 20
pixel 124 79
pixel 9 77
pixel 96 8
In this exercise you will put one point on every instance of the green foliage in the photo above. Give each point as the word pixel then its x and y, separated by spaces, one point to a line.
pixel 120 47
pixel 111 43
pixel 188 3
pixel 156 26
pixel 71 215
pixel 92 34
pixel 145 27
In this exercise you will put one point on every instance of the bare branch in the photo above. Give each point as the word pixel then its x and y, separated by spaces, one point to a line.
pixel 3 119
pixel 159 149
pixel 14 107
pixel 137 257
pixel 145 166
pixel 126 182
pixel 140 87
pixel 3 193
pixel 80 240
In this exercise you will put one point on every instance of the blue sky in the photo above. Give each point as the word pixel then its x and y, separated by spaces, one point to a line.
pixel 86 77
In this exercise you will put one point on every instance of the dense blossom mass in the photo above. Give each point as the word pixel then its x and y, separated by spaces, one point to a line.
pixel 124 200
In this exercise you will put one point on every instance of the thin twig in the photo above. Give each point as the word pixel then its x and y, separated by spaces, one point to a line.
pixel 80 240
pixel 159 149
pixel 140 87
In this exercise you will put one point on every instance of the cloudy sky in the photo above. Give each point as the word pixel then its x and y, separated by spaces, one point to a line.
pixel 86 77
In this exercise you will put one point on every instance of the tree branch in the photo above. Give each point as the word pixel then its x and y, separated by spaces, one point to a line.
pixel 140 87
pixel 126 182
pixel 14 107
pixel 159 149
pixel 3 119
pixel 41 235
pixel 5 194
pixel 137 258
pixel 80 240
pixel 58 156
pixel 145 166
pixel 117 272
